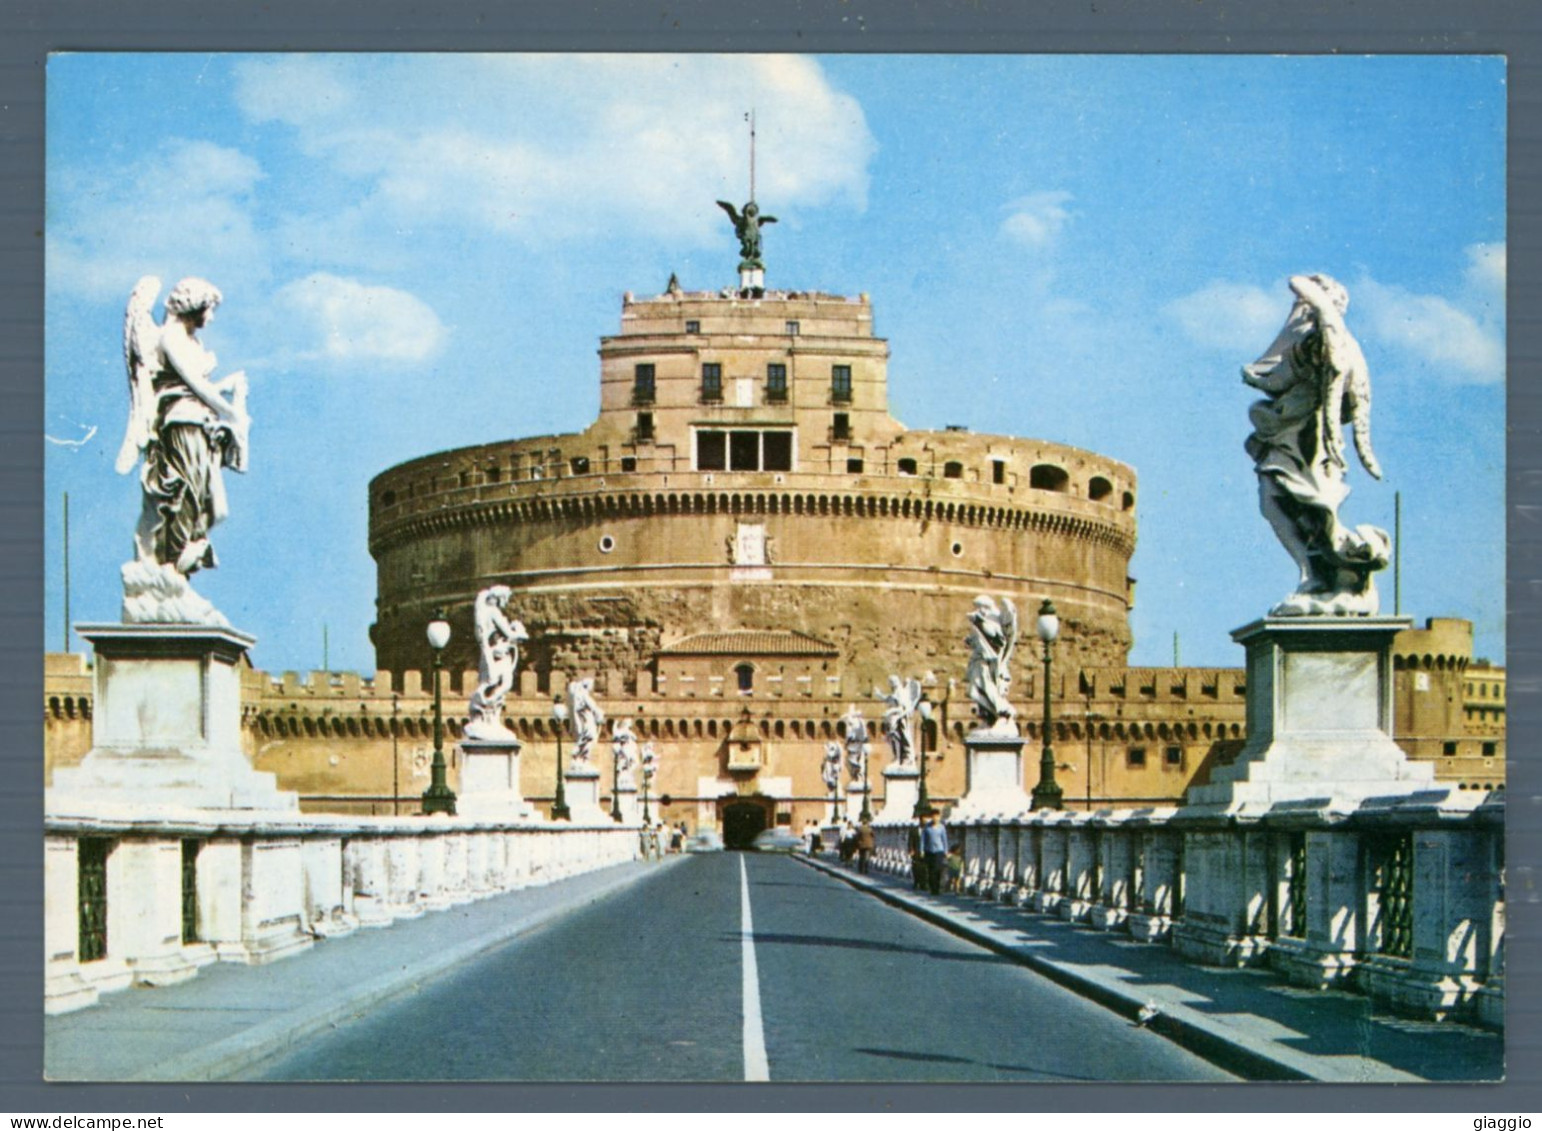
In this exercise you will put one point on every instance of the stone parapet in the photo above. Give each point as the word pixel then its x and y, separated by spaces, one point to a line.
pixel 188 887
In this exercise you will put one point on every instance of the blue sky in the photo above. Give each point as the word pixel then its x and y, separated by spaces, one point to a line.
pixel 421 252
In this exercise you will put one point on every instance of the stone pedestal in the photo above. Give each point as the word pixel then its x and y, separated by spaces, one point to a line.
pixel 752 280
pixel 901 787
pixel 581 784
pixel 489 780
pixel 1319 735
pixel 631 807
pixel 855 793
pixel 166 729
pixel 993 782
pixel 1319 719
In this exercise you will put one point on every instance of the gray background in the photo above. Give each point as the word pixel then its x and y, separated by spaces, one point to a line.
pixel 29 29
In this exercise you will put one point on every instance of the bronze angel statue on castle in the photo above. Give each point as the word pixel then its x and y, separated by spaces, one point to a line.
pixel 184 428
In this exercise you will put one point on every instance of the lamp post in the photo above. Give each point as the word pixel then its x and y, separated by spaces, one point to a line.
pixel 923 802
pixel 647 776
pixel 615 782
pixel 559 805
pixel 1046 795
pixel 438 798
pixel 867 789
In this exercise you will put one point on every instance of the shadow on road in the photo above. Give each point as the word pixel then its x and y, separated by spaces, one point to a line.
pixel 942 1058
pixel 868 944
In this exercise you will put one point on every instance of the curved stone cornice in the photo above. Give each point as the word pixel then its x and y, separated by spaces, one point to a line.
pixel 682 502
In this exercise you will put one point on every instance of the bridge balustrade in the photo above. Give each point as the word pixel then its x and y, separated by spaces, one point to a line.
pixel 152 900
pixel 1399 898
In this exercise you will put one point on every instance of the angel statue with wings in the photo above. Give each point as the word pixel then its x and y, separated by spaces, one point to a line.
pixel 186 427
pixel 830 770
pixel 623 746
pixel 854 728
pixel 498 640
pixel 586 718
pixel 1317 382
pixel 900 703
pixel 747 227
pixel 991 640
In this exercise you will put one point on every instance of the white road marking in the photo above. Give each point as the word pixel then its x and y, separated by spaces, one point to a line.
pixel 755 1066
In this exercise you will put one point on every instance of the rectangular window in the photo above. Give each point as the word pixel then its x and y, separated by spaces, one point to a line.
pixel 642 385
pixel 744 451
pixel 1450 750
pixel 778 451
pixel 711 451
pixel 776 383
pixel 644 433
pixel 793 328
pixel 692 326
pixel 1173 756
pixel 998 471
pixel 1137 757
pixel 840 384
pixel 854 466
pixel 841 428
pixel 711 382
pixel 628 463
pixel 580 465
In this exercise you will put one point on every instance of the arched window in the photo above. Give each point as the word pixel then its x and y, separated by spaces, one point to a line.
pixel 746 675
pixel 1099 489
pixel 952 470
pixel 1048 477
pixel 907 467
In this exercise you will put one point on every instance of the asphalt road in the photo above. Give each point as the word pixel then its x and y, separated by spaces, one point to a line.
pixel 662 982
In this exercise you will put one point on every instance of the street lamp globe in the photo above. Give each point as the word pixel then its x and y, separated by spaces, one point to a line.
pixel 438 797
pixel 1049 623
pixel 559 805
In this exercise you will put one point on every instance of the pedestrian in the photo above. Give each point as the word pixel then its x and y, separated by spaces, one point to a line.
pixel 955 864
pixel 677 837
pixel 917 860
pixel 866 842
pixel 934 846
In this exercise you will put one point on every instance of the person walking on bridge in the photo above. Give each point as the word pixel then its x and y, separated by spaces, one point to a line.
pixel 866 842
pixel 934 848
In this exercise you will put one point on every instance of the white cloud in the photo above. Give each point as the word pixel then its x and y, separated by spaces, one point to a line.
pixel 1237 317
pixel 1459 339
pixel 295 89
pixel 1037 219
pixel 553 146
pixel 1454 343
pixel 184 209
pixel 340 319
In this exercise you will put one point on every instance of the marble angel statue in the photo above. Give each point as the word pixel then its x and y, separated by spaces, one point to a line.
pixel 830 771
pixel 991 641
pixel 854 728
pixel 1317 383
pixel 623 745
pixel 184 428
pixel 498 640
pixel 585 717
pixel 900 703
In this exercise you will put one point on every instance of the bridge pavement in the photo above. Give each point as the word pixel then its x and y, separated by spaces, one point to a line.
pixel 638 972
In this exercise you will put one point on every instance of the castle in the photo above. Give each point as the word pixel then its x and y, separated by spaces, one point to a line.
pixel 738 549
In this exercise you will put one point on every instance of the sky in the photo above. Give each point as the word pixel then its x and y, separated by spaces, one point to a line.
pixel 420 252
